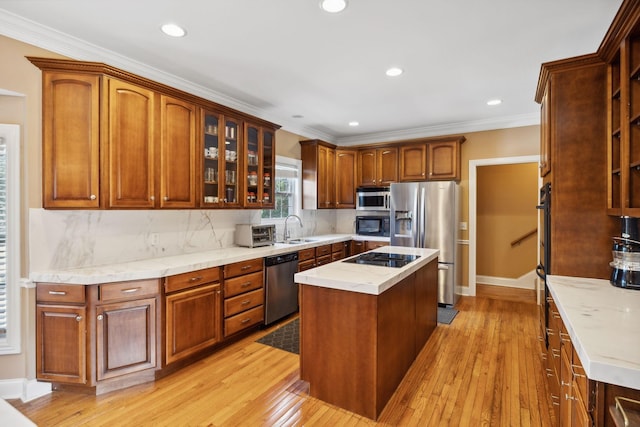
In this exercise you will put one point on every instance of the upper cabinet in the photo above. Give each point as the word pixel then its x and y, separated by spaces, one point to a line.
pixel 443 160
pixel 115 140
pixel 413 162
pixel 345 183
pixel 318 174
pixel 259 164
pixel 71 140
pixel 623 124
pixel 130 138
pixel 377 166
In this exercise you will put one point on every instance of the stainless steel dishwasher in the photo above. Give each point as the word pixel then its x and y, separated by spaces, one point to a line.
pixel 281 297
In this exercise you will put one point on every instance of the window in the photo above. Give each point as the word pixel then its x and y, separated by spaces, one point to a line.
pixel 9 239
pixel 286 190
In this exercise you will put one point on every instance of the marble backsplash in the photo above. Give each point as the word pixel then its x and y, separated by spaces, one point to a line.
pixel 61 240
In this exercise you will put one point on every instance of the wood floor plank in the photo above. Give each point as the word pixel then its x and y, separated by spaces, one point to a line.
pixel 484 369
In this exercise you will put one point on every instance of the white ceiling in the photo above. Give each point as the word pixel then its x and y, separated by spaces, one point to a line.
pixel 277 59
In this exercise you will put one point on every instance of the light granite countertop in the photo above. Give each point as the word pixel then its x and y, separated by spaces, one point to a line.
pixel 368 279
pixel 170 265
pixel 603 322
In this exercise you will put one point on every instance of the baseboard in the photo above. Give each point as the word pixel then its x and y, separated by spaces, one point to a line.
pixel 526 281
pixel 10 416
pixel 23 389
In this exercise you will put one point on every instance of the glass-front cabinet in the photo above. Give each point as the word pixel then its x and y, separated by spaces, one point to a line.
pixel 220 181
pixel 259 167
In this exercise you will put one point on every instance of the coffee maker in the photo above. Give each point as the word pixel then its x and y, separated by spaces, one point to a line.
pixel 626 255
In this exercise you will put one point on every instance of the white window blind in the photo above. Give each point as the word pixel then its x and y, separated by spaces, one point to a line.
pixel 9 239
pixel 286 189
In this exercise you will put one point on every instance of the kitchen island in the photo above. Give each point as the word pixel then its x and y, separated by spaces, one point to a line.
pixel 362 326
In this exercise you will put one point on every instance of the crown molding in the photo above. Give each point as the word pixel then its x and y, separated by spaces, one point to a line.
pixel 456 128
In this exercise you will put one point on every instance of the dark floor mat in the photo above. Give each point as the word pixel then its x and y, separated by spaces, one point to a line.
pixel 285 337
pixel 446 315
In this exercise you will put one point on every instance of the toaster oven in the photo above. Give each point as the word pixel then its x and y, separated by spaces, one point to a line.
pixel 255 235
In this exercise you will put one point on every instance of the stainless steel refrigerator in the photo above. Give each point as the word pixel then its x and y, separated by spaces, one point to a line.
pixel 426 215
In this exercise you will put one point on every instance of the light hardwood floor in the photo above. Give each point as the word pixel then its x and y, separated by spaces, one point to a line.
pixel 482 370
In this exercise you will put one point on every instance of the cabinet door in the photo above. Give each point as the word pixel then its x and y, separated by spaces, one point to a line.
pixel 367 167
pixel 130 130
pixel 545 137
pixel 61 343
pixel 126 337
pixel 71 140
pixel 357 247
pixel 443 160
pixel 387 165
pixel 345 182
pixel 193 321
pixel 213 175
pixel 232 162
pixel 326 177
pixel 177 153
pixel 413 163
pixel 268 159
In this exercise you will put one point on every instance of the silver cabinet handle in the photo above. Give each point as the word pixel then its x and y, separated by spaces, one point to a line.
pixel 100 317
pixel 92 197
pixel 78 318
pixel 130 291
pixel 57 293
pixel 195 279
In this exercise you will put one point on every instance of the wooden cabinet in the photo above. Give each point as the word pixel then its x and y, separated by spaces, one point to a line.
pixel 71 140
pixel 413 162
pixel 575 128
pixel 306 259
pixel 61 324
pixel 345 178
pixel 374 244
pixel 318 174
pixel 130 144
pixel 178 150
pixel 112 139
pixel 443 160
pixel 357 247
pixel 377 166
pixel 193 314
pixel 259 167
pixel 101 336
pixel 243 296
pixel 340 250
pixel 623 152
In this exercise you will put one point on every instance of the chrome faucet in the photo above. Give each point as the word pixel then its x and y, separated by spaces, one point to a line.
pixel 286 230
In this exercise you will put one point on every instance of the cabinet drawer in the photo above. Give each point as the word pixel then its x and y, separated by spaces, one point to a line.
pixel 55 292
pixel 323 250
pixel 243 302
pixel 580 377
pixel 340 246
pixel 244 267
pixel 129 290
pixel 306 265
pixel 322 260
pixel 306 254
pixel 238 285
pixel 191 279
pixel 243 320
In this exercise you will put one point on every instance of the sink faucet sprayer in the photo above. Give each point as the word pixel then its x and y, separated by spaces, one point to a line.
pixel 286 230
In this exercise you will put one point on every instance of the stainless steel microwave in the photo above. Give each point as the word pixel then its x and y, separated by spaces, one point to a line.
pixel 373 198
pixel 372 226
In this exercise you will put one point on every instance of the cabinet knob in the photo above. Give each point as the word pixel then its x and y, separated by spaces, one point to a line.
pixel 78 318
pixel 92 197
pixel 152 198
pixel 100 317
pixel 166 198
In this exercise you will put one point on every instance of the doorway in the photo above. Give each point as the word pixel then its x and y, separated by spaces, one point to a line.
pixel 473 208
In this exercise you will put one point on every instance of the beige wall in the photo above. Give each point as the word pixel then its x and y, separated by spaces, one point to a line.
pixel 493 144
pixel 507 196
pixel 18 75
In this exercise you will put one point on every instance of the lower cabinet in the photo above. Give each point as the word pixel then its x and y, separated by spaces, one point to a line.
pixel 306 259
pixel 243 295
pixel 89 335
pixel 193 315
pixel 323 255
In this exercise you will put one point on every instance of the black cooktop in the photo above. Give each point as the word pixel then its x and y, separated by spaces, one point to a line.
pixel 383 259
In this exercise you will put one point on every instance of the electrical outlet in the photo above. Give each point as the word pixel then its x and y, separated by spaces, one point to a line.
pixel 463 226
pixel 154 239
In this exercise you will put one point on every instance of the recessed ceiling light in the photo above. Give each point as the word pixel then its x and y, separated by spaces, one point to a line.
pixel 493 102
pixel 333 6
pixel 354 124
pixel 394 71
pixel 173 30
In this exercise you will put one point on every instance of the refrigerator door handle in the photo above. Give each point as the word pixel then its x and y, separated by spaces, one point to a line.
pixel 443 267
pixel 422 222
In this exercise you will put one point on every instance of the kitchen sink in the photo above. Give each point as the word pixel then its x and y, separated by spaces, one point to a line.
pixel 299 241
